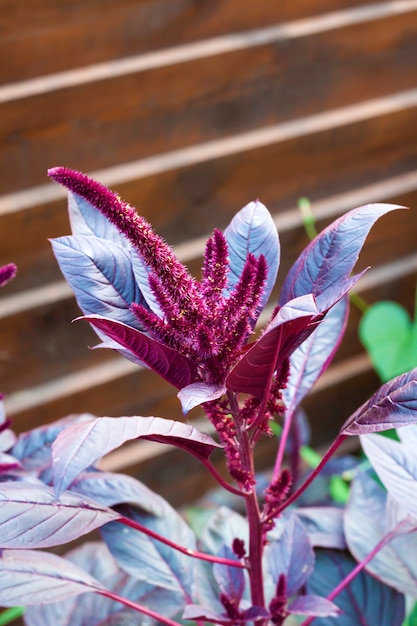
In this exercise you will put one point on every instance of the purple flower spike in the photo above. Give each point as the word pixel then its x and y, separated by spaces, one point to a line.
pixel 153 249
pixel 7 272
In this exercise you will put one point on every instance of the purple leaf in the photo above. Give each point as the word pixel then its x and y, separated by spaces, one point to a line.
pixel 252 230
pixel 175 368
pixel 313 605
pixel 111 489
pixel 100 274
pixel 31 516
pixel 364 601
pixel 33 448
pixel 324 526
pixel 8 463
pixel 408 436
pixel 195 394
pixel 256 613
pixel 150 560
pixel 32 577
pixel 201 613
pixel 314 355
pixel 392 406
pixel 395 564
pixel 87 221
pixel 195 612
pixel 224 526
pixel 7 440
pixel 293 323
pixel 142 272
pixel 324 266
pixel 81 445
pixel 291 555
pixel 231 580
pixel 94 609
pixel 396 466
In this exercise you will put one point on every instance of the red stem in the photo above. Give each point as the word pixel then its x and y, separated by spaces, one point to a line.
pixel 193 553
pixel 213 471
pixel 360 566
pixel 252 510
pixel 282 444
pixel 340 439
pixel 138 607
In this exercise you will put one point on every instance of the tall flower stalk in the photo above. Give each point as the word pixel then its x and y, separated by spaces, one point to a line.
pixel 199 335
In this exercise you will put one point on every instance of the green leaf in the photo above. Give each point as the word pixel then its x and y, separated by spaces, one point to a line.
pixel 310 456
pixel 412 617
pixel 390 338
pixel 339 490
pixel 10 615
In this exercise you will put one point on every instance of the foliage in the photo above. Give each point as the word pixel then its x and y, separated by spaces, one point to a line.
pixel 390 338
pixel 288 558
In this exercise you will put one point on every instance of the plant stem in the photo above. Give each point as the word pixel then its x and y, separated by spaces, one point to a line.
pixel 252 510
pixel 338 441
pixel 193 553
pixel 138 607
pixel 308 218
pixel 282 443
pixel 360 566
pixel 213 471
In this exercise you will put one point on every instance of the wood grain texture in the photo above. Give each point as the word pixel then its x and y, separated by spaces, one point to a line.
pixel 190 110
pixel 48 36
pixel 94 125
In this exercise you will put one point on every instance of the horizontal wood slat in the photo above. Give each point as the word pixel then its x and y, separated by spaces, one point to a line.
pixel 51 36
pixel 190 110
pixel 172 106
pixel 191 191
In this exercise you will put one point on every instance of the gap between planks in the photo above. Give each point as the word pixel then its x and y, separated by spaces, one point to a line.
pixel 206 48
pixel 219 148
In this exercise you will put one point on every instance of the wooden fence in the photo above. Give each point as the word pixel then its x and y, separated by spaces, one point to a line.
pixel 190 109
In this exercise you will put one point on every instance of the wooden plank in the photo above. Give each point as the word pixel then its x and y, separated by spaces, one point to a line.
pixel 161 109
pixel 189 192
pixel 127 27
pixel 37 267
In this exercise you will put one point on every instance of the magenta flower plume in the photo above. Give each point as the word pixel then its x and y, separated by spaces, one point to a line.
pixel 203 321
pixel 142 302
pixel 7 273
pixel 153 249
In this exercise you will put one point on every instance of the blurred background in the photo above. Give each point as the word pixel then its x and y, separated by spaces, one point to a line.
pixel 190 109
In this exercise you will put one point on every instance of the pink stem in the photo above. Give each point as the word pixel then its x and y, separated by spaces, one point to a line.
pixel 282 444
pixel 340 439
pixel 193 553
pixel 138 607
pixel 252 510
pixel 360 566
pixel 213 471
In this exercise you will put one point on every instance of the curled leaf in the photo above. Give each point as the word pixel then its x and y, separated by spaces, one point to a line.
pixel 174 367
pixel 394 405
pixel 81 445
